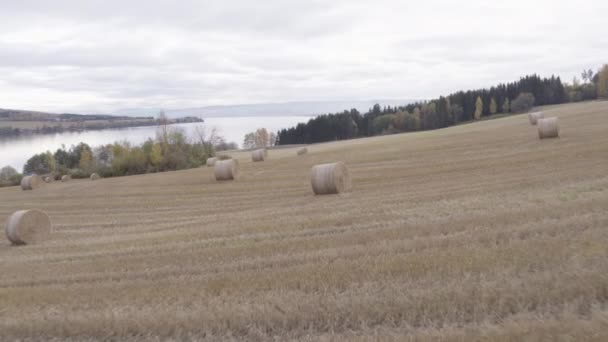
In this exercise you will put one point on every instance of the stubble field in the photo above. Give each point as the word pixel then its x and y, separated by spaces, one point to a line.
pixel 476 232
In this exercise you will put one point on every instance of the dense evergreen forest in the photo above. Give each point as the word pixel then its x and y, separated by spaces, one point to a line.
pixel 458 107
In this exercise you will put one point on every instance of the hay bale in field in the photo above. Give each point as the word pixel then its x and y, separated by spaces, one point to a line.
pixel 31 182
pixel 223 157
pixel 211 161
pixel 548 128
pixel 226 169
pixel 534 117
pixel 66 178
pixel 330 178
pixel 259 155
pixel 49 179
pixel 94 176
pixel 302 151
pixel 27 227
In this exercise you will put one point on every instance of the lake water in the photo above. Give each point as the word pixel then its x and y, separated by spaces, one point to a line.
pixel 16 151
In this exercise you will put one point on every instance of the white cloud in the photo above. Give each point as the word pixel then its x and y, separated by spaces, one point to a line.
pixel 99 56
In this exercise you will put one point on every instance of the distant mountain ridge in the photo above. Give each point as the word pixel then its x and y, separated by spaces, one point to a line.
pixel 296 108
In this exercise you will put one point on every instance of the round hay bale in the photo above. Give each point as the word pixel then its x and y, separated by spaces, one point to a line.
pixel 66 178
pixel 49 179
pixel 548 128
pixel 211 161
pixel 94 176
pixel 534 117
pixel 330 178
pixel 259 155
pixel 302 151
pixel 226 169
pixel 27 227
pixel 31 182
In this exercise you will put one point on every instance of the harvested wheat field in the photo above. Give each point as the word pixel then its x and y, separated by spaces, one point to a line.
pixel 476 232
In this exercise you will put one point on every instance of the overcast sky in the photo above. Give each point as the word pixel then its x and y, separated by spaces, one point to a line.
pixel 102 55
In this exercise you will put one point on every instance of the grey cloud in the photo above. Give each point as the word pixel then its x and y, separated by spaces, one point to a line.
pixel 274 17
pixel 103 55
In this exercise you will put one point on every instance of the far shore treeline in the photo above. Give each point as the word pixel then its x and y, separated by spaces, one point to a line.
pixel 459 107
pixel 48 123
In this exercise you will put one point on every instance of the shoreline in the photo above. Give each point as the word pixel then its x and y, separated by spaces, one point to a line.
pixel 27 128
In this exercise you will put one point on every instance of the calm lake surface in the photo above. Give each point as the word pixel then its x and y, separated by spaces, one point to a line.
pixel 16 151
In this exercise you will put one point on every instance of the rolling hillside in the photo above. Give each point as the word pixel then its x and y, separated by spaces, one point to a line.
pixel 479 231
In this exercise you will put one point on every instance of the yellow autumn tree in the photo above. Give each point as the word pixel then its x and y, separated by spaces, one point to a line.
pixel 506 106
pixel 86 160
pixel 478 108
pixel 493 107
pixel 602 83
pixel 156 155
pixel 417 113
pixel 51 162
pixel 262 138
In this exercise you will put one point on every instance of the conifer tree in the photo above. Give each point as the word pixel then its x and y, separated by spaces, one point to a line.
pixel 493 107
